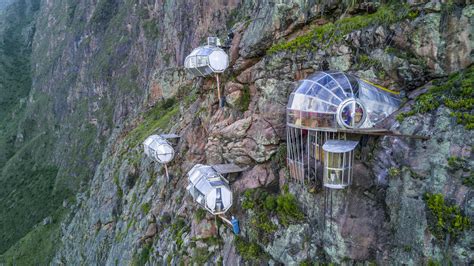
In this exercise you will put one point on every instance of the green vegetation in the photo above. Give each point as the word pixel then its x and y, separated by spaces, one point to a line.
pixel 201 255
pixel 279 158
pixel 165 218
pixel 150 28
pixel 178 228
pixel 248 251
pixel 456 93
pixel 142 257
pixel 117 185
pixel 38 246
pixel 411 57
pixel 446 222
pixel 330 33
pixel 469 180
pixel 393 172
pixel 103 13
pixel 157 118
pixel 27 192
pixel 200 214
pixel 145 208
pixel 244 101
pixel 364 61
pixel 287 209
pixel 457 163
pixel 152 179
pixel 265 205
pixel 432 262
pixel 467 174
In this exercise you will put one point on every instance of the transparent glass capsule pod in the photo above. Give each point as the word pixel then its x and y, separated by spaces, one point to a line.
pixel 209 189
pixel 328 106
pixel 159 149
pixel 208 59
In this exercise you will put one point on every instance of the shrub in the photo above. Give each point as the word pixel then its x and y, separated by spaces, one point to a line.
pixel 145 208
pixel 455 92
pixel 200 214
pixel 248 251
pixel 456 163
pixel 393 172
pixel 330 33
pixel 288 210
pixel 446 221
pixel 244 101
pixel 178 228
pixel 265 205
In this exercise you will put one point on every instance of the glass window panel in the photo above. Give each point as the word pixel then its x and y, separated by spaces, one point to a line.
pixel 341 79
pixel 326 96
pixel 324 80
pixel 316 76
pixel 290 100
pixel 304 87
pixel 321 106
pixel 294 116
pixel 298 102
pixel 337 90
pixel 354 84
pixel 324 120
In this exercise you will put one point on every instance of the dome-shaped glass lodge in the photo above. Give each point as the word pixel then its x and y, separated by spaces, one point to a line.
pixel 206 60
pixel 324 109
pixel 159 149
pixel 332 99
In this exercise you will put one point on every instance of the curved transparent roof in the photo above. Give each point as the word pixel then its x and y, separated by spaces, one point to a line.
pixel 209 188
pixel 318 101
pixel 206 60
pixel 339 146
pixel 158 148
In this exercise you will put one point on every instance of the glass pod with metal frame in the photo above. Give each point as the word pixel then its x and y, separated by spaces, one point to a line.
pixel 209 189
pixel 207 60
pixel 328 106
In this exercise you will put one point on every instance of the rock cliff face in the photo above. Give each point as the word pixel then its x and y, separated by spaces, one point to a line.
pixel 108 73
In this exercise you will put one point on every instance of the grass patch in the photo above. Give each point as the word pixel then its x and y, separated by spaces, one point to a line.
pixel 394 172
pixel 38 246
pixel 145 208
pixel 248 250
pixel 201 255
pixel 265 205
pixel 200 214
pixel 150 28
pixel 244 100
pixel 446 222
pixel 469 180
pixel 142 257
pixel 103 13
pixel 456 92
pixel 178 228
pixel 321 37
pixel 157 118
pixel 457 163
pixel 117 185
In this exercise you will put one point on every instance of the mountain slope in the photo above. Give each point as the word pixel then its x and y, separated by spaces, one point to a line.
pixel 107 74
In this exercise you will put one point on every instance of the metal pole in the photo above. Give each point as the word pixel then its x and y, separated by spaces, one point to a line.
pixel 225 220
pixel 167 175
pixel 221 99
